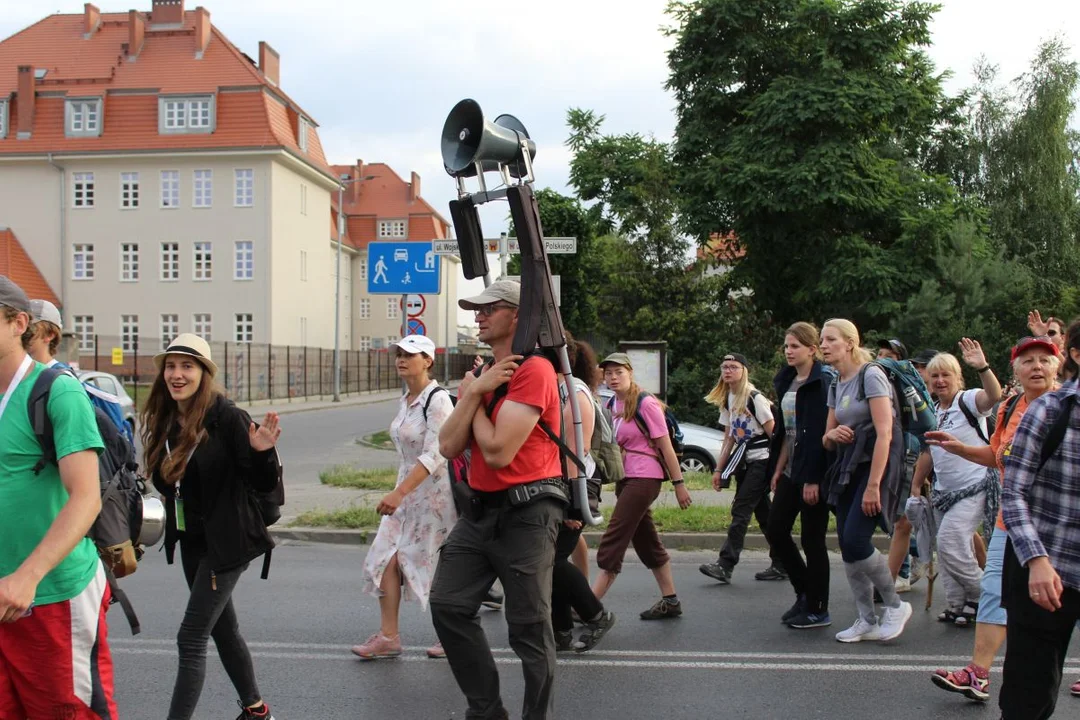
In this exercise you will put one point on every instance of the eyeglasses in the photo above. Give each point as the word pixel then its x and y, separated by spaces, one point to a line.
pixel 489 309
pixel 730 368
pixel 1052 333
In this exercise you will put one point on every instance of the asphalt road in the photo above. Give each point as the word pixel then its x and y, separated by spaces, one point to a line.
pixel 727 656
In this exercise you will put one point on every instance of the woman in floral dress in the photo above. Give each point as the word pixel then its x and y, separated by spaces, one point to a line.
pixel 419 512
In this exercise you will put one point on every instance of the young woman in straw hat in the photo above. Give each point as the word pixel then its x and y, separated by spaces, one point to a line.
pixel 204 454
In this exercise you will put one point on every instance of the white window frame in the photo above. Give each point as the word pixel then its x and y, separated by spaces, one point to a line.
pixel 169 322
pixel 3 119
pixel 202 324
pixel 82 117
pixel 85 253
pixel 364 343
pixel 393 308
pixel 362 269
pixel 397 229
pixel 202 188
pixel 365 308
pixel 170 189
pixel 169 262
pixel 244 327
pixel 244 195
pixel 243 260
pixel 84 331
pixel 202 261
pixel 303 266
pixel 129 262
pixel 82 190
pixel 303 199
pixel 129 190
pixel 303 332
pixel 129 330
pixel 178 115
pixel 302 134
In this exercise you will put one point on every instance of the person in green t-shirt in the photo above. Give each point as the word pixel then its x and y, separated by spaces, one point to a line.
pixel 54 653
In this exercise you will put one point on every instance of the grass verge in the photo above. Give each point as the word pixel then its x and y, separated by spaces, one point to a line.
pixel 347 476
pixel 350 518
pixel 379 440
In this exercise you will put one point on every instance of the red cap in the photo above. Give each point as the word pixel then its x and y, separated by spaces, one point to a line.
pixel 1028 343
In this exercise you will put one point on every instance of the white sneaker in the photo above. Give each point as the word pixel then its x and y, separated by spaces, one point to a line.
pixel 893 621
pixel 860 631
pixel 902 585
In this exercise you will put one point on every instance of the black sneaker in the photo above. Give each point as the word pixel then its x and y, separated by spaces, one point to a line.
pixel 247 713
pixel 796 610
pixel 808 620
pixel 773 572
pixel 596 630
pixel 494 600
pixel 717 572
pixel 662 610
pixel 564 640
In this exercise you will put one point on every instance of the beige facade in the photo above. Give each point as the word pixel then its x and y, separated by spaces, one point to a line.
pixel 238 239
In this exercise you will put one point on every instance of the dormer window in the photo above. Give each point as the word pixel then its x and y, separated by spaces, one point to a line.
pixel 186 114
pixel 83 117
pixel 302 133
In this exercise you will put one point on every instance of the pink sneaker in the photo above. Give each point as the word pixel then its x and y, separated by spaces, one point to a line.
pixel 378 646
pixel 436 652
pixel 1075 689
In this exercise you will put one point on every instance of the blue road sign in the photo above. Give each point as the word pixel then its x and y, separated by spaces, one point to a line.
pixel 397 268
pixel 417 327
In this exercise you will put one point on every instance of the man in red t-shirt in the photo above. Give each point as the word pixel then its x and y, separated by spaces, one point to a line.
pixel 501 427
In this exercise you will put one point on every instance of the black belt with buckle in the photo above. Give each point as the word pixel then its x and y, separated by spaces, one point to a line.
pixel 525 493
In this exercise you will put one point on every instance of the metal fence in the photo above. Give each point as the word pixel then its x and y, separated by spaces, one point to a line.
pixel 260 371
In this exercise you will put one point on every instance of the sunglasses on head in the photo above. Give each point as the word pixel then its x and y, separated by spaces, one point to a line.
pixel 1037 338
pixel 490 308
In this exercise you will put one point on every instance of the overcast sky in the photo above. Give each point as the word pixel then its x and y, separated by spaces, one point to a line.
pixel 380 77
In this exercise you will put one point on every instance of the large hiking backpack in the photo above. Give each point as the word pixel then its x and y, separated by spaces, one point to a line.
pixel 916 409
pixel 118 528
pixel 604 448
pixel 108 403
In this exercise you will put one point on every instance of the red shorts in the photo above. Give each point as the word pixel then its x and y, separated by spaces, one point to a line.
pixel 55 664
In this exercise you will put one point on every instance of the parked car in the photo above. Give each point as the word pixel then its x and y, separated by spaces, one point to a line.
pixel 112 385
pixel 701 444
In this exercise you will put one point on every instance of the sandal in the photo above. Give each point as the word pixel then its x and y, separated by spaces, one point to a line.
pixel 1075 689
pixel 947 616
pixel 966 682
pixel 967 616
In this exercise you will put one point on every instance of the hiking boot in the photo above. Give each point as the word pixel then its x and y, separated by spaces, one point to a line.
pixel 564 640
pixel 494 600
pixel 773 572
pixel 596 630
pixel 967 682
pixel 436 652
pixel 860 631
pixel 717 572
pixel 893 621
pixel 808 620
pixel 662 610
pixel 795 610
pixel 261 713
pixel 378 646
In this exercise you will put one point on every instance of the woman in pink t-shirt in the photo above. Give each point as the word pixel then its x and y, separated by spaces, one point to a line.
pixel 648 460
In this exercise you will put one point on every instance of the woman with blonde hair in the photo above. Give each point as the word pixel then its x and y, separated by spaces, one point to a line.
pixel 798 463
pixel 648 458
pixel 747 421
pixel 863 428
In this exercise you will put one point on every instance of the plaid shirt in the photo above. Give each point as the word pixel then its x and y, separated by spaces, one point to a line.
pixel 1042 508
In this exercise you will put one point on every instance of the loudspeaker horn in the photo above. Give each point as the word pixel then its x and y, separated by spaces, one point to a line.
pixel 467 139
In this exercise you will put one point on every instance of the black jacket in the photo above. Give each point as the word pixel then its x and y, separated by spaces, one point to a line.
pixel 811 413
pixel 228 470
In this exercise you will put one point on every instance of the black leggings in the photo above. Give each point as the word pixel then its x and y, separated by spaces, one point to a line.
pixel 809 578
pixel 209 613
pixel 569 588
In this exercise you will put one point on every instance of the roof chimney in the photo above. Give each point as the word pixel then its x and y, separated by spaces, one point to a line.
pixel 167 12
pixel 136 33
pixel 26 98
pixel 359 173
pixel 414 188
pixel 202 31
pixel 91 20
pixel 269 62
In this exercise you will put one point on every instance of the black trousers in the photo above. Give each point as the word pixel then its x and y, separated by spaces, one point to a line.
pixel 569 588
pixel 809 577
pixel 518 547
pixel 751 498
pixel 1035 647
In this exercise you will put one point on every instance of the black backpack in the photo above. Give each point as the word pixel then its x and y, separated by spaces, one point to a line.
pixel 118 526
pixel 991 419
pixel 1056 433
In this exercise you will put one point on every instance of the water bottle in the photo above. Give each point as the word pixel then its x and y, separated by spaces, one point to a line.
pixel 915 401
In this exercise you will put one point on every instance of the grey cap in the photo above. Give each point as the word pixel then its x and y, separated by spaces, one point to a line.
pixel 507 291
pixel 923 357
pixel 45 311
pixel 13 296
pixel 617 359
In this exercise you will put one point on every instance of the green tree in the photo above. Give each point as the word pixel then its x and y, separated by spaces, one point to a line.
pixel 800 129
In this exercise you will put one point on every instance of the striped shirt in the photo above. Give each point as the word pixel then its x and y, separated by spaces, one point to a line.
pixel 1041 508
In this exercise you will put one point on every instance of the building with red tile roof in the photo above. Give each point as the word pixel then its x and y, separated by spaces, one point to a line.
pixel 16 264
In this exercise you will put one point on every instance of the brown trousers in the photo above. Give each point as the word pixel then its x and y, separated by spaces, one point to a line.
pixel 631 524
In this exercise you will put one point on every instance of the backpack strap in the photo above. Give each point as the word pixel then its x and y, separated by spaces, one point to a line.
pixel 1056 433
pixel 1010 408
pixel 120 597
pixel 431 395
pixel 970 416
pixel 38 412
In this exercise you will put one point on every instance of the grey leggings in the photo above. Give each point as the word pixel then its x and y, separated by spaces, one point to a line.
pixel 209 613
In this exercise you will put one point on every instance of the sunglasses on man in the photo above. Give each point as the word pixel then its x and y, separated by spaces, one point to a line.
pixel 489 309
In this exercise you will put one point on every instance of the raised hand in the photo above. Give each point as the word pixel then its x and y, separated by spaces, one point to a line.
pixel 1036 324
pixel 266 435
pixel 973 353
